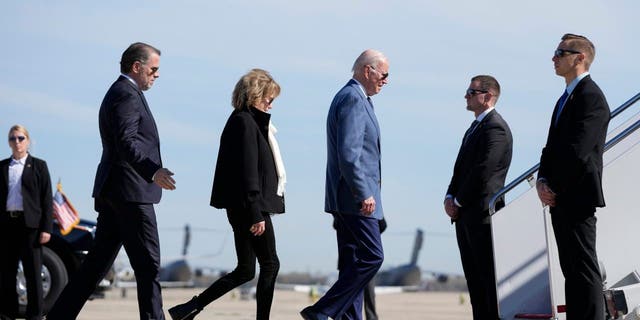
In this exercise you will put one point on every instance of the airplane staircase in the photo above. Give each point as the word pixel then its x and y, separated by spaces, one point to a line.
pixel 529 282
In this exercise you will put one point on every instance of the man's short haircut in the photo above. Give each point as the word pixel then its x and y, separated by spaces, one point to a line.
pixel 488 83
pixel 368 57
pixel 136 52
pixel 581 44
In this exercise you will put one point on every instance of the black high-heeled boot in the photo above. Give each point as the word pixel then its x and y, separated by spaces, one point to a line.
pixel 185 311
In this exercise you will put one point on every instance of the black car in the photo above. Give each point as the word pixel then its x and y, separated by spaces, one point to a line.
pixel 61 257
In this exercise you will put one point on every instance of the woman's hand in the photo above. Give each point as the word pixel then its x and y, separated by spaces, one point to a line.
pixel 44 237
pixel 257 228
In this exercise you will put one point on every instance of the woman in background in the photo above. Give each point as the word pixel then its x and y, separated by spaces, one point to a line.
pixel 249 183
pixel 26 213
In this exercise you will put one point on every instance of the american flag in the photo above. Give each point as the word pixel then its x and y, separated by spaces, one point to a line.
pixel 64 211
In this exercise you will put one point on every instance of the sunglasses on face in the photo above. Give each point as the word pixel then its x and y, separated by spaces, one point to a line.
pixel 473 92
pixel 559 53
pixel 153 69
pixel 384 75
pixel 17 138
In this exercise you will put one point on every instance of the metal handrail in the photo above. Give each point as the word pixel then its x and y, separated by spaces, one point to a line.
pixel 528 175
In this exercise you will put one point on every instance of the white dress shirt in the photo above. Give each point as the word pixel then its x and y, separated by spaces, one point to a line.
pixel 14 197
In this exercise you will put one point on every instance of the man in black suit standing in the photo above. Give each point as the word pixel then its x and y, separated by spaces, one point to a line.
pixel 129 180
pixel 479 172
pixel 570 176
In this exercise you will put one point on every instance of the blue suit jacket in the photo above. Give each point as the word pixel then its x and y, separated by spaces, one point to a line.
pixel 130 146
pixel 353 153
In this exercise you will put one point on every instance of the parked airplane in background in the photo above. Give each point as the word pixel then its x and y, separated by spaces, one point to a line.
pixel 179 271
pixel 410 275
pixel 404 275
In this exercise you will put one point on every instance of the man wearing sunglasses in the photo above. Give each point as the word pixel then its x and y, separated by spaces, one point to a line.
pixel 129 180
pixel 570 176
pixel 479 172
pixel 352 191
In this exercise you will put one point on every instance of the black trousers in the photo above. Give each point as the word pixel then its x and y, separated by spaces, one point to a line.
pixel 476 252
pixel 18 242
pixel 248 248
pixel 132 225
pixel 575 232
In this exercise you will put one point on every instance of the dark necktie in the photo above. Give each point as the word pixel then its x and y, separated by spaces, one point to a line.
pixel 472 128
pixel 370 102
pixel 561 102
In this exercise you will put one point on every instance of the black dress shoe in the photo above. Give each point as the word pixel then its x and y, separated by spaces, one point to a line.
pixel 309 314
pixel 185 311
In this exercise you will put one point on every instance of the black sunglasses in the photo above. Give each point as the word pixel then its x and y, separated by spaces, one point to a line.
pixel 153 69
pixel 473 92
pixel 17 138
pixel 559 53
pixel 384 75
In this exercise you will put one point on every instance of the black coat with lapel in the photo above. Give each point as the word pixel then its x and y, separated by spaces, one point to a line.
pixel 36 193
pixel 245 176
pixel 571 161
pixel 481 167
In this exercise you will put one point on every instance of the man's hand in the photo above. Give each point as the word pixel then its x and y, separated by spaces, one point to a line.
pixel 546 195
pixel 44 237
pixel 164 180
pixel 450 208
pixel 257 229
pixel 368 206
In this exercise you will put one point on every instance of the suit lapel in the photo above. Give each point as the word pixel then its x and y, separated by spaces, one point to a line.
pixel 27 173
pixel 146 107
pixel 5 177
pixel 368 106
pixel 143 99
pixel 372 115
pixel 473 135
pixel 568 105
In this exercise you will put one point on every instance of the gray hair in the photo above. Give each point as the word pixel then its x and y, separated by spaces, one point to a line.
pixel 368 57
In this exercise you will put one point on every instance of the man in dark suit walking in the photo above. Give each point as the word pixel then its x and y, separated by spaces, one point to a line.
pixel 352 192
pixel 479 172
pixel 129 180
pixel 570 176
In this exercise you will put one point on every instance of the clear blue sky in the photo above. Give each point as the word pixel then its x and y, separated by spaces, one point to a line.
pixel 58 59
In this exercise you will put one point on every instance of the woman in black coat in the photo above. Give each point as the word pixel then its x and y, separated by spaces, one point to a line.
pixel 26 213
pixel 249 183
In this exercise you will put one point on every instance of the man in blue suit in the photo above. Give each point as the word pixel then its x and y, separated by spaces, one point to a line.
pixel 129 180
pixel 352 193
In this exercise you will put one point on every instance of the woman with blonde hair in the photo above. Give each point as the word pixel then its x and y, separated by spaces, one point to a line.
pixel 26 213
pixel 249 183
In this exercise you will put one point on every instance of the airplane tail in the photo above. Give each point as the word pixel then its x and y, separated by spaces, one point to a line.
pixel 417 245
